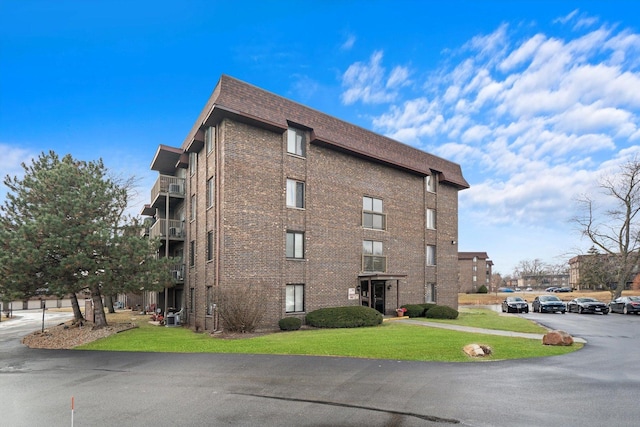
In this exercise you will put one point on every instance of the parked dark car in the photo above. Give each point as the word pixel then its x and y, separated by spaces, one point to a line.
pixel 548 304
pixel 625 305
pixel 563 289
pixel 515 305
pixel 587 305
pixel 551 289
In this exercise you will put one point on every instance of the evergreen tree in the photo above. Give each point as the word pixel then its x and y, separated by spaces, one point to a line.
pixel 63 231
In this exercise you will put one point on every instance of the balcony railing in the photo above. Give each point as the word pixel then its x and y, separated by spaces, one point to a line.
pixel 175 229
pixel 166 184
pixel 177 272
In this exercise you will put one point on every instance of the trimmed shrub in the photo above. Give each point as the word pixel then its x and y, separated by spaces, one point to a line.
pixel 427 306
pixel 344 317
pixel 483 289
pixel 442 312
pixel 290 324
pixel 414 310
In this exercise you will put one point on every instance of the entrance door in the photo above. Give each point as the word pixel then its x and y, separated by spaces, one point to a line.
pixel 379 288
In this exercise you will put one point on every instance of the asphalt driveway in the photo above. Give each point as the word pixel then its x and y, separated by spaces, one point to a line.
pixel 597 385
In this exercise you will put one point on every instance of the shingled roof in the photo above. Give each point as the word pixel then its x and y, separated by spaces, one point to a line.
pixel 245 102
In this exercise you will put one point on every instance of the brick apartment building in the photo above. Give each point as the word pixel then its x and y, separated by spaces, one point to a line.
pixel 310 210
pixel 475 271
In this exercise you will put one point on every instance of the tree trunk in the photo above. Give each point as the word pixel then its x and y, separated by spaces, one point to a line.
pixel 109 300
pixel 98 307
pixel 77 314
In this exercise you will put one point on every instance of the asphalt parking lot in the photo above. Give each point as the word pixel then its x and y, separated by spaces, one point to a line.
pixel 599 384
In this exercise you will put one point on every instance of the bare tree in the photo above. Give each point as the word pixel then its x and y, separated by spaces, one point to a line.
pixel 614 228
pixel 532 269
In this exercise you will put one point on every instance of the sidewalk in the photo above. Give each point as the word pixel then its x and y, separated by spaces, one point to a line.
pixel 480 330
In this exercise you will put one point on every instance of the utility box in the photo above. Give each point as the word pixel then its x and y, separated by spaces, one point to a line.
pixel 170 320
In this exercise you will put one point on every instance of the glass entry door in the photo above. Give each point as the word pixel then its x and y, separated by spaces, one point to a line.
pixel 379 289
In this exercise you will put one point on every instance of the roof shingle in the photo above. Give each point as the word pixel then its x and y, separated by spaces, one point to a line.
pixel 232 97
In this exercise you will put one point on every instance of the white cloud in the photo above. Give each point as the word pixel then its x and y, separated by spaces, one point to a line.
pixel 369 83
pixel 11 164
pixel 532 120
pixel 349 42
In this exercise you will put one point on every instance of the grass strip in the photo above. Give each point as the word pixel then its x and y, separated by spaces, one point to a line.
pixel 489 319
pixel 391 340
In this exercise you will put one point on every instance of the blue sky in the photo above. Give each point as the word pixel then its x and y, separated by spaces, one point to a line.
pixel 534 99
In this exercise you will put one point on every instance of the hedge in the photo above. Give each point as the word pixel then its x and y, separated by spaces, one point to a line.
pixel 442 312
pixel 344 317
pixel 290 324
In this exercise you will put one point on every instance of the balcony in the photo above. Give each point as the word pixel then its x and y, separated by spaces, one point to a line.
pixel 164 186
pixel 177 273
pixel 174 229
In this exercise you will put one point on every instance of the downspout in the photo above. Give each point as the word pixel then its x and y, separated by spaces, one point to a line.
pixel 218 228
pixel 166 246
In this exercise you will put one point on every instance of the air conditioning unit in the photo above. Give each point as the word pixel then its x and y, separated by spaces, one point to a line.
pixel 174 231
pixel 175 188
pixel 176 274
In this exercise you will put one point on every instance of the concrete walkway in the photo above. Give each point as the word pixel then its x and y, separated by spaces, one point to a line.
pixel 476 330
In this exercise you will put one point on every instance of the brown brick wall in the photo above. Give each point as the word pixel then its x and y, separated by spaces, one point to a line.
pixel 254 219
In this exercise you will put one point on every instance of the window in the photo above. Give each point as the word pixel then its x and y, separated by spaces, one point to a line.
pixel 192 253
pixel 431 219
pixel 431 255
pixel 372 256
pixel 192 212
pixel 295 244
pixel 193 163
pixel 209 245
pixel 372 216
pixel 294 298
pixel 431 183
pixel 210 304
pixel 210 138
pixel 296 142
pixel 210 188
pixel 295 194
pixel 430 292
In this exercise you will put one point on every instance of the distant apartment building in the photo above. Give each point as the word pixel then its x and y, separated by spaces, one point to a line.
pixel 267 194
pixel 542 281
pixel 583 272
pixel 475 271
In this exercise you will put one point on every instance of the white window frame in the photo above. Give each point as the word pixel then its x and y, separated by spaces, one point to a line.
pixel 373 256
pixel 210 193
pixel 193 163
pixel 209 245
pixel 295 193
pixel 295 245
pixel 431 255
pixel 210 138
pixel 372 214
pixel 430 292
pixel 431 219
pixel 296 142
pixel 431 183
pixel 294 298
pixel 210 304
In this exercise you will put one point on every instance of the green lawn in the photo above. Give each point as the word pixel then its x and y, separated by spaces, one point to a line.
pixel 489 319
pixel 391 340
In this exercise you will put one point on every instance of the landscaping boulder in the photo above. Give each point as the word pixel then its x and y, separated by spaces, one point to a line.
pixel 557 338
pixel 477 350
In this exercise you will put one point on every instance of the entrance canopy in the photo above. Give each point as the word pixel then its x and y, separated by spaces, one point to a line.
pixel 374 297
